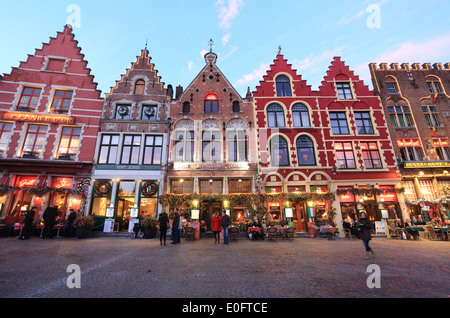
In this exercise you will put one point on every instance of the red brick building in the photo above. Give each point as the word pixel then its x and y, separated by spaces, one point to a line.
pixel 212 146
pixel 416 100
pixel 334 140
pixel 50 112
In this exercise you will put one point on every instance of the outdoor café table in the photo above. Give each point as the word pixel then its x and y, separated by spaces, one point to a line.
pixel 414 231
pixel 444 231
pixel 254 229
pixel 328 231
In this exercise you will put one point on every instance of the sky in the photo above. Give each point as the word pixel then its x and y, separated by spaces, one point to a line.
pixel 247 35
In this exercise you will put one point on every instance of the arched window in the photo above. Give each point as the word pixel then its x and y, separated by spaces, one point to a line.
pixel 236 107
pixel 139 88
pixel 300 116
pixel 186 108
pixel 279 152
pixel 275 116
pixel 305 151
pixel 283 86
pixel 211 103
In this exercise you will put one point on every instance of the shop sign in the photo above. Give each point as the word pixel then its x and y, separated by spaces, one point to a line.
pixel 26 182
pixel 62 183
pixel 38 118
pixel 211 166
pixel 380 228
pixel 437 164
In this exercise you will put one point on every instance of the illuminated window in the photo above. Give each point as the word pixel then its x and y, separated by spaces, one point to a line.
pixel 62 100
pixel 131 150
pixel 34 141
pixel 5 135
pixel 371 155
pixel 153 150
pixel 30 98
pixel 109 148
pixel 283 86
pixel 410 149
pixel 211 103
pixel 344 155
pixel 70 140
pixel 442 149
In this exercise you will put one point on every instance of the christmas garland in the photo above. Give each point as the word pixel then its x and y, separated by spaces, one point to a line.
pixel 370 192
pixel 38 190
pixel 149 189
pixel 441 199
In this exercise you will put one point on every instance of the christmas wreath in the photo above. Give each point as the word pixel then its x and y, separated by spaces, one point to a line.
pixel 102 188
pixel 149 111
pixel 149 189
pixel 446 190
pixel 123 111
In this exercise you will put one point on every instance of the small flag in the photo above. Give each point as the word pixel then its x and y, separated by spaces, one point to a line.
pixel 434 132
pixel 435 97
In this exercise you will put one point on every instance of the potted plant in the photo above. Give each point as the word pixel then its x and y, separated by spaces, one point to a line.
pixel 83 226
pixel 150 226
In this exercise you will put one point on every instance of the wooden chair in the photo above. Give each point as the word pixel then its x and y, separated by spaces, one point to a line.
pixel 272 233
pixel 189 233
pixel 290 233
pixel 433 233
pixel 233 232
pixel 393 232
pixel 348 233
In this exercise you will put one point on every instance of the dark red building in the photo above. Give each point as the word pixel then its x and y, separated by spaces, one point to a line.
pixel 334 140
pixel 50 112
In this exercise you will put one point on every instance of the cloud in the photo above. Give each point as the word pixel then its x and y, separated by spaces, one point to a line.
pixel 350 17
pixel 228 12
pixel 191 66
pixel 226 39
pixel 317 62
pixel 255 75
pixel 203 52
pixel 234 49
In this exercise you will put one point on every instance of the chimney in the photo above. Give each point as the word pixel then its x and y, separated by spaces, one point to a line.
pixel 178 91
pixel 170 91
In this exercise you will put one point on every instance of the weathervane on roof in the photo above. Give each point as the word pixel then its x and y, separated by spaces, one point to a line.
pixel 279 50
pixel 211 43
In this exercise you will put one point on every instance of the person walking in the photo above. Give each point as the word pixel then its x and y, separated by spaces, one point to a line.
pixel 225 223
pixel 163 226
pixel 365 228
pixel 49 221
pixel 176 227
pixel 216 228
pixel 70 220
pixel 27 224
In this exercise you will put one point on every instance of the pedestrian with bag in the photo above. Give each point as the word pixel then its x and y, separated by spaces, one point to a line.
pixel 176 227
pixel 365 229
pixel 163 226
pixel 225 223
pixel 216 227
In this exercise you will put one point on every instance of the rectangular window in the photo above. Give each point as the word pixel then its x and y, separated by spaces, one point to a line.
pixel 391 87
pixel 131 150
pixel 5 135
pixel 237 146
pixel 123 112
pixel 153 150
pixel 30 98
pixel 211 146
pixel 371 155
pixel 364 123
pixel 344 91
pixel 184 146
pixel 109 148
pixel 442 149
pixel 62 100
pixel 430 116
pixel 344 155
pixel 434 87
pixel 339 124
pixel 149 112
pixel 211 186
pixel 410 149
pixel 240 186
pixel 70 141
pixel 182 186
pixel 34 141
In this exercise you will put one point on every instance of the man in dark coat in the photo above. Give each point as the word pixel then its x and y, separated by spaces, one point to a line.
pixel 70 219
pixel 225 224
pixel 163 226
pixel 175 228
pixel 27 224
pixel 49 221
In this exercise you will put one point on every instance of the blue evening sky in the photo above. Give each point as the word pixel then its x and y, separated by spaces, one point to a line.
pixel 246 33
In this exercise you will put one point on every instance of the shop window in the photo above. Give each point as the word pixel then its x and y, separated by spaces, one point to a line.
pixel 70 140
pixel 275 116
pixel 149 112
pixel 131 150
pixel 300 115
pixel 344 155
pixel 273 190
pixel 123 112
pixel 283 86
pixel 279 152
pixel 101 197
pixel 371 155
pixel 339 125
pixel 139 88
pixel 211 186
pixel 427 190
pixel 35 140
pixel 109 148
pixel 364 123
pixel 344 91
pixel 184 145
pixel 410 149
pixel 5 135
pixel 30 98
pixel 318 189
pixel 305 151
pixel 211 146
pixel 410 191
pixel 237 146
pixel 294 189
pixel 211 103
pixel 182 186
pixel 240 186
pixel 61 101
pixel 153 150
pixel 442 149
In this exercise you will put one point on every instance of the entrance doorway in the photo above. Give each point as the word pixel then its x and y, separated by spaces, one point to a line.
pixel 208 210
pixel 300 217
pixel 124 206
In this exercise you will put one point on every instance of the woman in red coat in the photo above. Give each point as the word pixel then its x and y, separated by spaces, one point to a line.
pixel 215 226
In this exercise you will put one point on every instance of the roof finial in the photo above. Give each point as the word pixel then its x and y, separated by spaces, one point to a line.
pixel 279 50
pixel 146 43
pixel 211 43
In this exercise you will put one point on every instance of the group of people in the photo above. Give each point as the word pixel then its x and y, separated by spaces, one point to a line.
pixel 218 224
pixel 50 218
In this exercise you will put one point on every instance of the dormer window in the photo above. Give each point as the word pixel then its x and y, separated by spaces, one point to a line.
pixel 283 86
pixel 211 103
pixel 139 88
pixel 344 91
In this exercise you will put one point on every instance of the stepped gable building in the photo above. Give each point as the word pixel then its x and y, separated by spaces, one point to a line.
pixel 212 144
pixel 50 112
pixel 319 143
pixel 131 153
pixel 417 104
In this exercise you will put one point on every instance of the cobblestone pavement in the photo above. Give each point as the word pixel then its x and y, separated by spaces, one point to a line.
pixel 305 268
